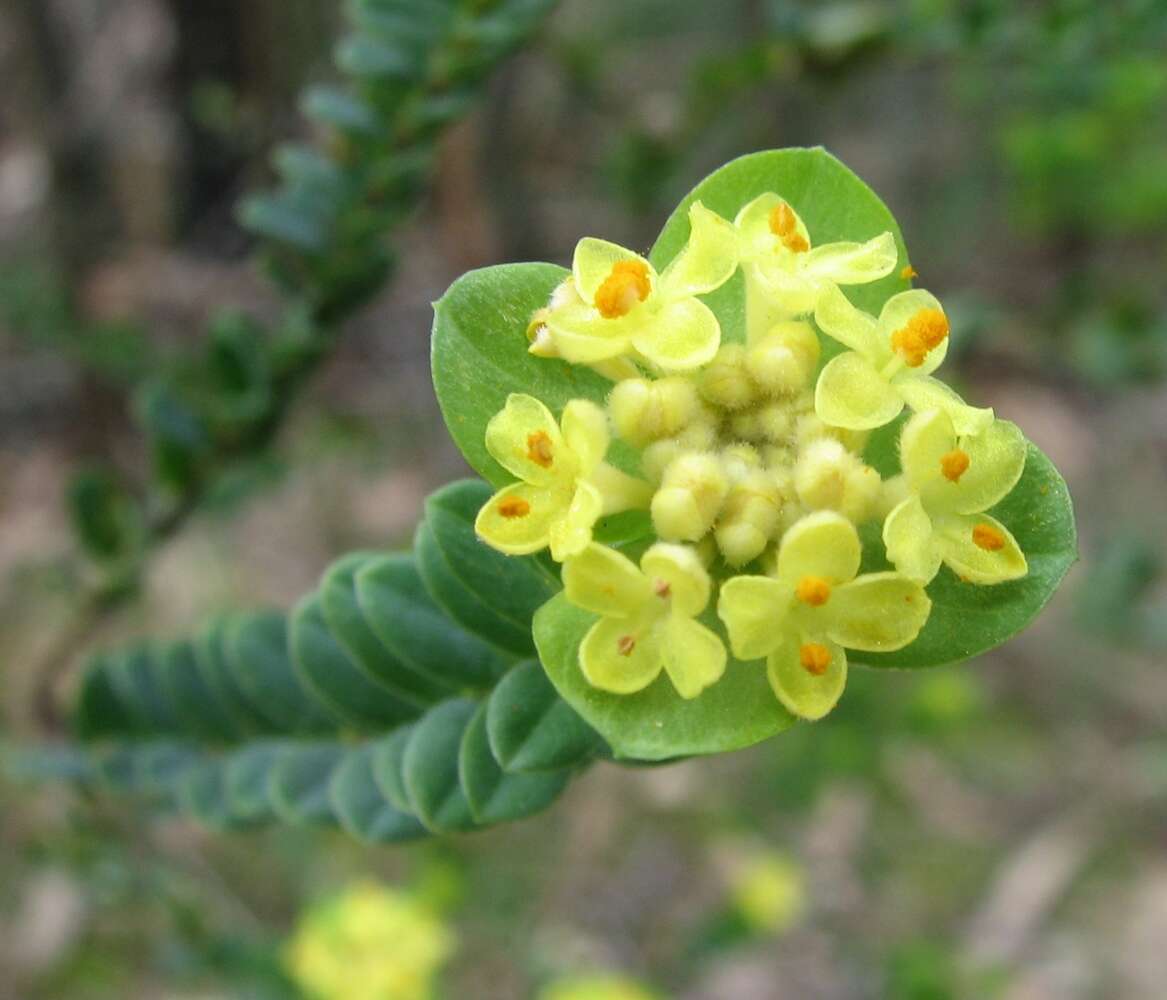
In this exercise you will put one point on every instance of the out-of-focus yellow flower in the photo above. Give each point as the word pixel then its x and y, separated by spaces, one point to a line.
pixel 776 252
pixel 369 943
pixel 767 891
pixel 954 479
pixel 889 363
pixel 601 986
pixel 649 619
pixel 565 485
pixel 617 304
pixel 801 618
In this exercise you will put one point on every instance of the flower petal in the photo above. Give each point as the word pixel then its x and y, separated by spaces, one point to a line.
pixel 524 439
pixel 753 224
pixel 603 580
pixel 780 276
pixel 518 519
pixel 878 612
pixel 822 544
pixel 848 263
pixel 582 336
pixel 572 533
pixel 996 461
pixel 593 263
pixel 851 394
pixel 898 311
pixel 907 537
pixel 681 572
pixel 922 392
pixel 926 438
pixel 620 655
pixel 585 431
pixel 980 549
pixel 693 655
pixel 753 609
pixel 838 318
pixel 683 335
pixel 707 261
pixel 804 694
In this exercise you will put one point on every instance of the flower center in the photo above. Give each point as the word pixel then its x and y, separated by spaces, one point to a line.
pixel 626 286
pixel 986 537
pixel 954 465
pixel 813 590
pixel 625 645
pixel 661 588
pixel 909 272
pixel 926 330
pixel 513 507
pixel 784 225
pixel 539 449
pixel 814 657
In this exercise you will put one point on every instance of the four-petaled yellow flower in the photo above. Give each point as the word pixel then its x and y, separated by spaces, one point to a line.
pixel 775 249
pixel 801 618
pixel 889 363
pixel 649 619
pixel 954 479
pixel 618 305
pixel 565 484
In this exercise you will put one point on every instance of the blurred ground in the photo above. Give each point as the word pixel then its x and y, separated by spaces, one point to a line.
pixel 998 829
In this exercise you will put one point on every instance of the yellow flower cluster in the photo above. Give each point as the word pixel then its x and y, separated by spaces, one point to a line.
pixel 751 460
pixel 369 943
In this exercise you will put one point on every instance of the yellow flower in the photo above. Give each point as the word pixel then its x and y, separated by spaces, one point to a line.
pixel 604 986
pixel 954 479
pixel 801 618
pixel 649 619
pixel 618 304
pixel 776 251
pixel 767 890
pixel 565 485
pixel 369 943
pixel 889 364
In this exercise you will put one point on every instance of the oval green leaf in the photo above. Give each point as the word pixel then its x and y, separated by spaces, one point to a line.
pixel 197 705
pixel 389 768
pixel 361 808
pixel 430 767
pixel 298 783
pixel 531 728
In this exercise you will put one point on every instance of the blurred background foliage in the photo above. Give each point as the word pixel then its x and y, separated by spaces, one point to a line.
pixel 988 831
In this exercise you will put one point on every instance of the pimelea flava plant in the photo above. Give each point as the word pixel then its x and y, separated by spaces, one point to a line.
pixel 718 476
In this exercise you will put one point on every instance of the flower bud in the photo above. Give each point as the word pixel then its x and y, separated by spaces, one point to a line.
pixel 659 455
pixel 644 411
pixel 749 518
pixel 829 477
pixel 691 494
pixel 725 382
pixel 739 460
pixel 783 361
pixel 809 428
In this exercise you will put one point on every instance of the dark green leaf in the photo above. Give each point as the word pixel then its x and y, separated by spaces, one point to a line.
pixel 99 710
pixel 532 729
pixel 657 723
pixel 389 768
pixel 341 110
pixel 406 619
pixel 139 686
pixel 198 706
pixel 361 808
pixel 159 769
pixel 431 767
pixel 347 623
pixel 299 784
pixel 495 796
pixel 203 794
pixel 332 676
pixel 211 657
pixel 248 773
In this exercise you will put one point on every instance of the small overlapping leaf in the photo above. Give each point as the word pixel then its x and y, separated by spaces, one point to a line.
pixel 430 767
pixel 361 807
pixel 298 783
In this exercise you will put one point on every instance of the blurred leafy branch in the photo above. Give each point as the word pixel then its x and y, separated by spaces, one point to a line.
pixel 411 69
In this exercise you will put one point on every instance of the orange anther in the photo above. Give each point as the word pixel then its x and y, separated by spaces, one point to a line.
pixel 626 285
pixel 625 645
pixel 784 225
pixel 514 507
pixel 925 330
pixel 954 464
pixel 909 272
pixel 813 590
pixel 986 537
pixel 539 449
pixel 815 658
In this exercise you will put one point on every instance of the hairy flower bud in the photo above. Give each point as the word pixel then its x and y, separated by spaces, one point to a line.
pixel 692 491
pixel 829 477
pixel 749 518
pixel 725 381
pixel 783 361
pixel 644 411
